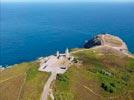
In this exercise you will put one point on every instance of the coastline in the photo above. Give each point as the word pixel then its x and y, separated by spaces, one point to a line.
pixel 124 49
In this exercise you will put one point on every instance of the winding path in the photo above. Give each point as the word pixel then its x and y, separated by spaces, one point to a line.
pixel 95 47
pixel 46 89
pixel 47 86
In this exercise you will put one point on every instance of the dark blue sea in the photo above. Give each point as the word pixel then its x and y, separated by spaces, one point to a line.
pixel 31 30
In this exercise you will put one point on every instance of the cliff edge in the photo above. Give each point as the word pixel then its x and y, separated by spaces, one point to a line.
pixel 108 40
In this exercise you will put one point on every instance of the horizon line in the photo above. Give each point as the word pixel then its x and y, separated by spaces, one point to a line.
pixel 118 1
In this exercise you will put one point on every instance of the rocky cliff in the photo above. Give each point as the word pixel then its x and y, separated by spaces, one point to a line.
pixel 107 40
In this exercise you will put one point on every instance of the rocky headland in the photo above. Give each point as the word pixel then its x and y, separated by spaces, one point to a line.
pixel 108 40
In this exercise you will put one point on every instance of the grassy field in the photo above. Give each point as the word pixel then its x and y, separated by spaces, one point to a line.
pixel 22 82
pixel 103 75
pixel 113 41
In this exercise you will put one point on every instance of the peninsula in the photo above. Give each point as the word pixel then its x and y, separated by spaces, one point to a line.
pixel 103 69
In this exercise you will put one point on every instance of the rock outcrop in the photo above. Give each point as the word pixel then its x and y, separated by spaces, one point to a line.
pixel 107 40
pixel 96 41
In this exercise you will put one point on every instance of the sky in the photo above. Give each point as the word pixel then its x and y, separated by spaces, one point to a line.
pixel 67 0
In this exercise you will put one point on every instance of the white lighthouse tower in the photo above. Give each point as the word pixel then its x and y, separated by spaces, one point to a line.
pixel 67 53
pixel 58 54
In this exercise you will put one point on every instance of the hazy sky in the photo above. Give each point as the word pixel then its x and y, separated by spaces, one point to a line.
pixel 67 0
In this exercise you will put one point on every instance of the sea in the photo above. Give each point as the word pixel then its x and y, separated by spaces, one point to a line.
pixel 32 30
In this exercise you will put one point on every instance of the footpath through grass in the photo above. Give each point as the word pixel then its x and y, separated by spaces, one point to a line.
pixel 22 82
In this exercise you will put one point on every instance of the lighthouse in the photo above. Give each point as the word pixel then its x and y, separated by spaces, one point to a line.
pixel 57 54
pixel 67 53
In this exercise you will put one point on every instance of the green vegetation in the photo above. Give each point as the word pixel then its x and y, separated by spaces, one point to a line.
pixel 22 82
pixel 113 41
pixel 102 74
pixel 32 72
pixel 63 78
pixel 130 67
pixel 63 82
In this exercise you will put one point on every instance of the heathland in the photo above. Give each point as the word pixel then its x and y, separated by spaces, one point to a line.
pixel 99 72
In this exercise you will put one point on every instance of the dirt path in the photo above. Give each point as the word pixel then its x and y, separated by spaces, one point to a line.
pixel 47 86
pixel 95 47
pixel 1 81
pixel 78 51
pixel 91 90
pixel 123 46
pixel 21 88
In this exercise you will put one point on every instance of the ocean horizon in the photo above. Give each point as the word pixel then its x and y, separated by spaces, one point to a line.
pixel 32 30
